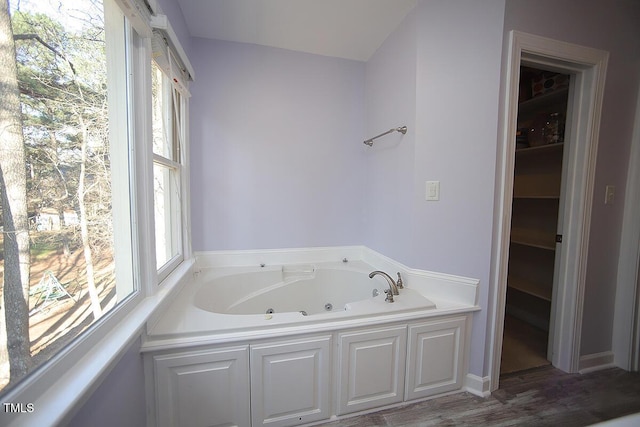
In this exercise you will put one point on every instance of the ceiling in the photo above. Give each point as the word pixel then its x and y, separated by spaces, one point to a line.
pixel 351 29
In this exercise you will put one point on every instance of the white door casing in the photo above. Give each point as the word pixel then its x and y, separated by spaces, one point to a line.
pixel 587 66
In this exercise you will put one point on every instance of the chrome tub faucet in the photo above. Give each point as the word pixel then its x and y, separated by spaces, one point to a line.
pixel 393 287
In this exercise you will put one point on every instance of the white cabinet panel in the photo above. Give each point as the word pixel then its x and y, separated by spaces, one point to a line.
pixel 371 368
pixel 435 357
pixel 290 381
pixel 203 388
pixel 306 379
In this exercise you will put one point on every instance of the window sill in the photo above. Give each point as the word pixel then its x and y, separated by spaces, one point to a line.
pixel 67 379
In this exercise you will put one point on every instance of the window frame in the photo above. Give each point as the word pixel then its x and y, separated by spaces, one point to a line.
pixel 62 383
pixel 176 114
pixel 46 374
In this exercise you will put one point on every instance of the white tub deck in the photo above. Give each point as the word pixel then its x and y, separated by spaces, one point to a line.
pixel 185 322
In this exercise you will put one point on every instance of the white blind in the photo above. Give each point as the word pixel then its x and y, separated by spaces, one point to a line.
pixel 166 58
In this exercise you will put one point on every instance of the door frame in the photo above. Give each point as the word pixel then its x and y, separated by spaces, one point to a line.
pixel 626 321
pixel 587 67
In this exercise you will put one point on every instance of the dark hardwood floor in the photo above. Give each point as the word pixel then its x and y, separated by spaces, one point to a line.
pixel 537 397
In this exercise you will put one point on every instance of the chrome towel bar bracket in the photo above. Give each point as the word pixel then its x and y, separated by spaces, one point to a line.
pixel 402 130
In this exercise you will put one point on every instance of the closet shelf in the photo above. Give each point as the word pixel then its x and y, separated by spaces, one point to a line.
pixel 540 102
pixel 538 290
pixel 540 149
pixel 536 186
pixel 536 202
pixel 533 238
pixel 536 196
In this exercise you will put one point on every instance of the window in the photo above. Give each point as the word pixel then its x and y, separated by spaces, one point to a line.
pixel 168 112
pixel 66 257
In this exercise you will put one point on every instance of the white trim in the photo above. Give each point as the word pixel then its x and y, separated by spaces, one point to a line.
pixel 589 65
pixel 169 266
pixel 72 374
pixel 596 362
pixel 185 193
pixel 479 386
pixel 625 329
pixel 161 22
pixel 120 64
pixel 143 167
pixel 166 162
pixel 251 257
pixel 632 420
pixel 153 5
pixel 174 122
pixel 168 61
pixel 138 14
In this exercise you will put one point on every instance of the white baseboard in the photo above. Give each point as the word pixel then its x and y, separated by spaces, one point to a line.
pixel 480 386
pixel 632 420
pixel 595 362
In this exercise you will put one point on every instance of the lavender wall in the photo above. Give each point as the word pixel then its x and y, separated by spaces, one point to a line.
pixel 277 157
pixel 459 54
pixel 614 27
pixel 120 399
pixel 440 73
pixel 276 152
pixel 390 83
pixel 448 56
pixel 278 160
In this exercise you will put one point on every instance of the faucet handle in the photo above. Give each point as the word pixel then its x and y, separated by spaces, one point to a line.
pixel 389 297
pixel 399 282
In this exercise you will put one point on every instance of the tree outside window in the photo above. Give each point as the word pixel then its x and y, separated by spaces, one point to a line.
pixel 57 163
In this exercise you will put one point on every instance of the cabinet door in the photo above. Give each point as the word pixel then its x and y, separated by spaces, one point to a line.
pixel 436 357
pixel 203 388
pixel 371 368
pixel 290 382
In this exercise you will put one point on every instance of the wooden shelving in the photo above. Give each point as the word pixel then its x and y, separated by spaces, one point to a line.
pixel 538 290
pixel 535 240
pixel 534 220
pixel 538 172
pixel 541 102
pixel 548 148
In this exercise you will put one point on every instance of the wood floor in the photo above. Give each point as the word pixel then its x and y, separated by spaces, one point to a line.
pixel 537 397
pixel 523 346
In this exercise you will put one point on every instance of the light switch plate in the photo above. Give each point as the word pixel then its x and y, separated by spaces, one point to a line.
pixel 432 192
pixel 609 194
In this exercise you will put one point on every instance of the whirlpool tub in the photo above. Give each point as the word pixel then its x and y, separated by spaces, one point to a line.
pixel 291 338
pixel 306 289
pixel 296 293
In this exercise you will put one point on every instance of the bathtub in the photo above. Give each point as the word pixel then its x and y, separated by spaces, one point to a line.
pixel 293 337
pixel 302 289
pixel 246 296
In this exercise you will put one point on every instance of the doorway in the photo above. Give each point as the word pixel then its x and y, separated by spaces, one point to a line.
pixel 587 68
pixel 536 203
